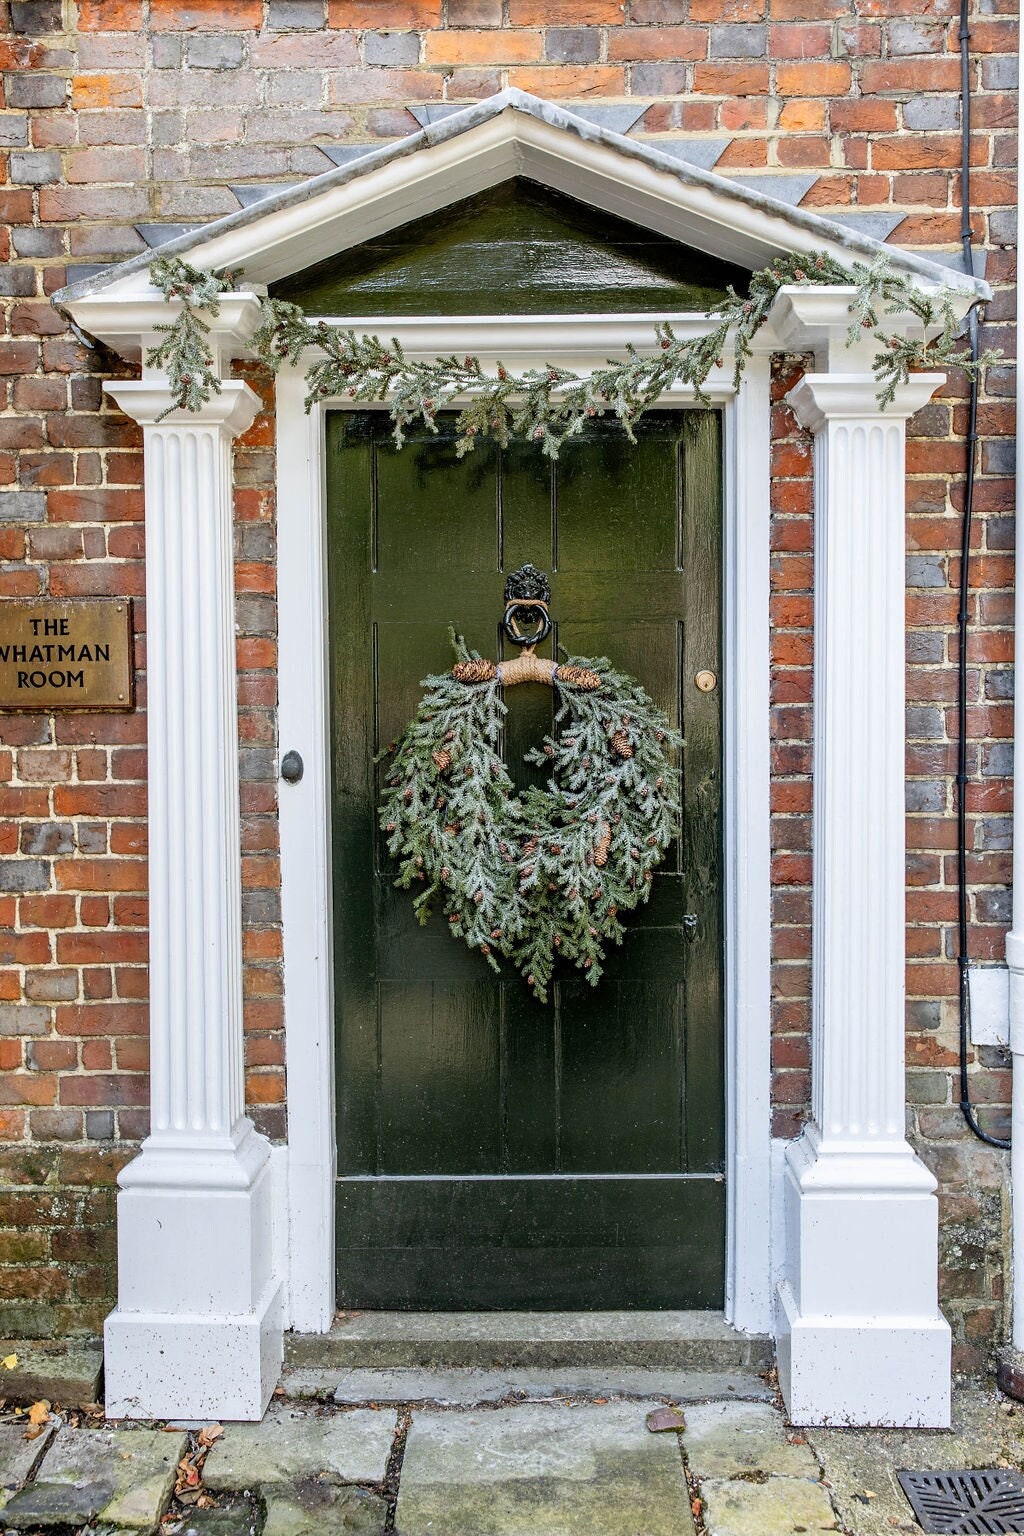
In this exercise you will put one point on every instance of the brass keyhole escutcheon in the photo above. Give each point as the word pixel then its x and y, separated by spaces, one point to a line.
pixel 706 681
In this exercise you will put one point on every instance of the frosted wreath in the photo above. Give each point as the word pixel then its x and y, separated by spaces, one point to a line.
pixel 546 872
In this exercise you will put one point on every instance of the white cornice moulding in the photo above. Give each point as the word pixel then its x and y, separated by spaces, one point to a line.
pixel 127 322
pixel 593 336
pixel 822 397
pixel 805 318
pixel 579 342
pixel 234 408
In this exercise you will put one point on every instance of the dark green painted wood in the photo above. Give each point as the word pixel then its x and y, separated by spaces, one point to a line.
pixel 494 1152
pixel 517 248
pixel 463 1242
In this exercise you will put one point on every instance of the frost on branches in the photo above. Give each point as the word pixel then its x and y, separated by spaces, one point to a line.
pixel 551 404
pixel 546 874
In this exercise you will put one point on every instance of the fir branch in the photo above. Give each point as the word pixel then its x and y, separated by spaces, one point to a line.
pixel 550 405
pixel 184 354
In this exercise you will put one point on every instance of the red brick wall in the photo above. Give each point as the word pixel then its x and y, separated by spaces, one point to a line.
pixel 119 112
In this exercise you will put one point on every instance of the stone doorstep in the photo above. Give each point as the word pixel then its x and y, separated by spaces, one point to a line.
pixel 67 1373
pixel 687 1341
pixel 468 1388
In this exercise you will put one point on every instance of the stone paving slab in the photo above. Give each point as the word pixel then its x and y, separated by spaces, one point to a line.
pixel 318 1509
pixel 542 1470
pixel 466 1388
pixel 732 1439
pixel 18 1456
pixel 292 1443
pixel 121 1477
pixel 861 1464
pixel 778 1507
pixel 231 1519
pixel 65 1373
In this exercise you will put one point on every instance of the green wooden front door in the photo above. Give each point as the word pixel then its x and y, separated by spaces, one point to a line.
pixel 493 1152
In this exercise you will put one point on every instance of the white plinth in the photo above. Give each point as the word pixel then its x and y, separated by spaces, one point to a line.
pixel 860 1336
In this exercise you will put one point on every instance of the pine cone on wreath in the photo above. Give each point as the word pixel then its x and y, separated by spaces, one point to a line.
pixel 604 842
pixel 476 670
pixel 583 678
pixel 621 745
pixel 442 759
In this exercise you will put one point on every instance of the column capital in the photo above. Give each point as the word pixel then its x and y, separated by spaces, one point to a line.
pixel 146 401
pixel 822 397
pixel 817 318
pixel 129 322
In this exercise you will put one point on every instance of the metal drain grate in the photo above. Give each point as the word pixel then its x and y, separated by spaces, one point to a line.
pixel 962 1503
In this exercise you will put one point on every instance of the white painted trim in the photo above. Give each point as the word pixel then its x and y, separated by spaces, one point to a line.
pixel 304 818
pixel 746 667
pixel 576 341
pixel 1015 937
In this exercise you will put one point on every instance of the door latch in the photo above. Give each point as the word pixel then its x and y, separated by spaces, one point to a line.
pixel 690 925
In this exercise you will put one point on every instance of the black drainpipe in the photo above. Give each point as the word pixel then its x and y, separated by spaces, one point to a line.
pixel 963 621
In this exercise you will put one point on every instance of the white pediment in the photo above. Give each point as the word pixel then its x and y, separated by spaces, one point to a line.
pixel 509 135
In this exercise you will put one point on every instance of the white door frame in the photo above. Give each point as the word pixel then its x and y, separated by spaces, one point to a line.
pixel 570 341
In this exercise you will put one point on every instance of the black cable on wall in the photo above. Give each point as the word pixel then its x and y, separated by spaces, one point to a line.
pixel 963 614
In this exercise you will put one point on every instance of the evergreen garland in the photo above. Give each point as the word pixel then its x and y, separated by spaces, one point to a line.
pixel 551 404
pixel 546 873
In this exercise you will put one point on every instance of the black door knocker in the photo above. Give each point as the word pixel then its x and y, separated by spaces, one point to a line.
pixel 527 595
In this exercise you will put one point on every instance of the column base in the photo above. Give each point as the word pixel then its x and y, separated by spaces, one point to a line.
pixel 861 1339
pixel 198 1330
pixel 863 1371
pixel 162 1367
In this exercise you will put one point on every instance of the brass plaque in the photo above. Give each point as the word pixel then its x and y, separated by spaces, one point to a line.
pixel 58 654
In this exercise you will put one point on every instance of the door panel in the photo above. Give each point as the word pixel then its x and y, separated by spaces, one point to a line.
pixel 495 1152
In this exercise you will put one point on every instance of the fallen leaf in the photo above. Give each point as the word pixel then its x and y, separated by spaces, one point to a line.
pixel 695 1508
pixel 34 1431
pixel 600 1400
pixel 211 1433
pixel 39 1413
pixel 9 1362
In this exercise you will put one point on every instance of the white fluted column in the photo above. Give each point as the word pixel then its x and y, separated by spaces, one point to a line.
pixel 861 1337
pixel 197 1328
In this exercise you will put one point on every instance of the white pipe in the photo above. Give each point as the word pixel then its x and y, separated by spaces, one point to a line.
pixel 1015 938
